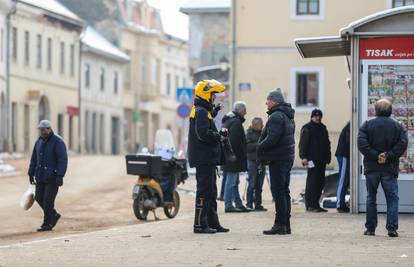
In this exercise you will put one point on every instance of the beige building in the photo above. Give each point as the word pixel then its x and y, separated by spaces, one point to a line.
pixel 44 77
pixel 265 56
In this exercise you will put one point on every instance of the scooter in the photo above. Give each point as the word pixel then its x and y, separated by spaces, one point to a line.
pixel 159 175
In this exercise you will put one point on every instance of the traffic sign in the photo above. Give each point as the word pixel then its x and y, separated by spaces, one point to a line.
pixel 185 95
pixel 184 110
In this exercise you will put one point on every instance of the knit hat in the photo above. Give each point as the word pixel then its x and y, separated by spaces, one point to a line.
pixel 276 95
pixel 316 112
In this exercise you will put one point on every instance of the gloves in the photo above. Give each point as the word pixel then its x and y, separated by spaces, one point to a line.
pixel 32 180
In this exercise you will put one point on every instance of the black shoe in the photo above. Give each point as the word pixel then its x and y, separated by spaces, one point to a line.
pixel 260 208
pixel 207 230
pixel 322 209
pixel 313 210
pixel 56 219
pixel 343 209
pixel 221 229
pixel 369 232
pixel 392 233
pixel 44 228
pixel 243 209
pixel 220 199
pixel 276 230
pixel 288 230
pixel 232 209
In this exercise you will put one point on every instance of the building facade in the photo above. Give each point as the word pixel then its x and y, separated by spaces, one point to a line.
pixel 101 95
pixel 265 57
pixel 5 8
pixel 44 75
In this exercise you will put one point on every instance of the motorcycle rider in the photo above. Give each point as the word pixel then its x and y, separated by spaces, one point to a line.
pixel 204 153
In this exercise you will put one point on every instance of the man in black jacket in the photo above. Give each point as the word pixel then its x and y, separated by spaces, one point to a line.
pixel 47 168
pixel 277 148
pixel 315 152
pixel 255 170
pixel 204 153
pixel 382 141
pixel 342 155
pixel 233 122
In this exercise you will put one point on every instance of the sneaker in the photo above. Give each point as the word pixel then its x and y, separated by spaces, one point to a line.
pixel 276 230
pixel 369 232
pixel 260 208
pixel 221 229
pixel 392 233
pixel 343 209
pixel 232 210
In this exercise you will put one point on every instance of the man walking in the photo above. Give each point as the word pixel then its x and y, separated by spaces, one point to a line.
pixel 342 155
pixel 204 153
pixel 255 170
pixel 233 122
pixel 382 141
pixel 277 148
pixel 47 168
pixel 315 152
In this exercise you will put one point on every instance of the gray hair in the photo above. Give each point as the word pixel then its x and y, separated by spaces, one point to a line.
pixel 239 106
pixel 383 108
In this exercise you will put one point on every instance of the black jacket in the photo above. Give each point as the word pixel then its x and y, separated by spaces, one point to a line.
pixel 234 123
pixel 203 138
pixel 314 143
pixel 379 135
pixel 343 148
pixel 277 142
pixel 252 141
pixel 49 160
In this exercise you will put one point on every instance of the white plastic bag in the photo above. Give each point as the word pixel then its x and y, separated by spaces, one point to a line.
pixel 28 197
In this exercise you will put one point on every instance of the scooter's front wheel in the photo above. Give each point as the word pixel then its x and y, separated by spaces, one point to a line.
pixel 172 210
pixel 139 209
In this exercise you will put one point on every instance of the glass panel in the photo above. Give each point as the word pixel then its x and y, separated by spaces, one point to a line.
pixel 307 91
pixel 302 6
pixel 312 90
pixel 398 3
pixel 409 2
pixel 313 6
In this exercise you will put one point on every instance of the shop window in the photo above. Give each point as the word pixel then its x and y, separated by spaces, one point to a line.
pixel 399 3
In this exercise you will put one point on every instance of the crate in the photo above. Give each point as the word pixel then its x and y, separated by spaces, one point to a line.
pixel 143 165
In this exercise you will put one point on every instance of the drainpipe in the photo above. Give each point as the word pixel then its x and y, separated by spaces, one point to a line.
pixel 233 53
pixel 9 145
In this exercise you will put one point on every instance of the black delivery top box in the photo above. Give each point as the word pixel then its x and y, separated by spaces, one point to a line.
pixel 143 165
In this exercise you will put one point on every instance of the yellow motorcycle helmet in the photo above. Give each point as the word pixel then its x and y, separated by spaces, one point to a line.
pixel 205 88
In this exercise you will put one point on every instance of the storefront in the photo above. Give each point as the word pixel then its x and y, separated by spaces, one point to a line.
pixel 379 50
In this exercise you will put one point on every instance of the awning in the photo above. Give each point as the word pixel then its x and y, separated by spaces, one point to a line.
pixel 328 46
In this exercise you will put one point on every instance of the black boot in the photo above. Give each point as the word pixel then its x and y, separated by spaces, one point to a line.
pixel 276 229
pixel 200 220
pixel 213 220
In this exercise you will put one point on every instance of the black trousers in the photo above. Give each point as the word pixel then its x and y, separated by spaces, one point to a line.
pixel 45 197
pixel 315 183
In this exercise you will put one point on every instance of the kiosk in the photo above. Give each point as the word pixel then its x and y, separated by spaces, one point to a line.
pixel 379 50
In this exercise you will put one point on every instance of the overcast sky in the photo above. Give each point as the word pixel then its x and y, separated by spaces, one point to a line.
pixel 174 22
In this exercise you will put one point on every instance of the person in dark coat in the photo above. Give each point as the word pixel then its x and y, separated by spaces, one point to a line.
pixel 342 154
pixel 255 170
pixel 315 152
pixel 277 149
pixel 204 153
pixel 382 141
pixel 47 168
pixel 233 122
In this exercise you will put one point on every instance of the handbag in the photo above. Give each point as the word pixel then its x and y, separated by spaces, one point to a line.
pixel 228 155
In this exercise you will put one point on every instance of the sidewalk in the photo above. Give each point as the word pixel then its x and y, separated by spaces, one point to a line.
pixel 318 240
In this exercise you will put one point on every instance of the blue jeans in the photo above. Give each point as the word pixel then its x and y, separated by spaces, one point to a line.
pixel 343 182
pixel 255 184
pixel 279 185
pixel 231 191
pixel 390 186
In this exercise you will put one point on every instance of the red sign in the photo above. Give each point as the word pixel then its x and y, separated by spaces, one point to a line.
pixel 387 48
pixel 73 111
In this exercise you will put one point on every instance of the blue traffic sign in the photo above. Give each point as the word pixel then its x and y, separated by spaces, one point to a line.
pixel 185 95
pixel 184 110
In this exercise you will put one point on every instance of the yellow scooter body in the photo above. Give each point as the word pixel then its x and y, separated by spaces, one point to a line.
pixel 151 183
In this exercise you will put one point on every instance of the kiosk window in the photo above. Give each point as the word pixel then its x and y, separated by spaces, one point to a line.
pixel 398 3
pixel 307 7
pixel 307 89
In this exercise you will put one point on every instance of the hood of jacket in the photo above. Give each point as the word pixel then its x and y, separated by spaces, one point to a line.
pixel 232 115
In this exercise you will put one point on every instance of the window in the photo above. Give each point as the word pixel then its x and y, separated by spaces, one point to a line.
pixel 87 75
pixel 154 71
pixel 307 7
pixel 102 79
pixel 26 47
pixel 399 3
pixel 14 44
pixel 307 88
pixel 115 82
pixel 49 53
pixel 168 83
pixel 39 51
pixel 143 70
pixel 2 45
pixel 177 81
pixel 72 60
pixel 62 57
